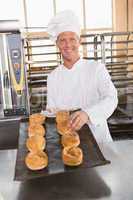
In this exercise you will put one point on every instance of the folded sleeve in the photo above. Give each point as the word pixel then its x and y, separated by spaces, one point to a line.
pixel 108 99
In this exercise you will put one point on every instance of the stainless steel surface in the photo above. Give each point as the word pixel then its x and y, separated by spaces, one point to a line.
pixel 13 79
pixel 4 74
pixel 9 25
pixel 110 182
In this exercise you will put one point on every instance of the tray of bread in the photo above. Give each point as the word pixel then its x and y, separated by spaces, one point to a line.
pixel 47 146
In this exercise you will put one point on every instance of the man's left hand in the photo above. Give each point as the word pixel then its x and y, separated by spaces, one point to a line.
pixel 78 119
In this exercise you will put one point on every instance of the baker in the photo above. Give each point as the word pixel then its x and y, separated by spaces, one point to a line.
pixel 79 83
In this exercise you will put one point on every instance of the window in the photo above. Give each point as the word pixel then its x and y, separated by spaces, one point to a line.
pixel 12 10
pixel 39 12
pixel 98 14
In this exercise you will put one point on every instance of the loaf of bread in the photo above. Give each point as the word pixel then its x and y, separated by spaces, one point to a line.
pixel 36 143
pixel 36 161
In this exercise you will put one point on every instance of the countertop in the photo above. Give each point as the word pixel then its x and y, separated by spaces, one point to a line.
pixel 111 182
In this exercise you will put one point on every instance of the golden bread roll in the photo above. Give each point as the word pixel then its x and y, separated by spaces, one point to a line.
pixel 37 118
pixel 72 156
pixel 36 129
pixel 36 161
pixel 70 140
pixel 62 128
pixel 62 116
pixel 36 143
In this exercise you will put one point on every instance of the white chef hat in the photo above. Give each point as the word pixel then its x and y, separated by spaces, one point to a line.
pixel 61 22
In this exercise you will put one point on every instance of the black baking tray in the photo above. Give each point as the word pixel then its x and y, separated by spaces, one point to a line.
pixel 9 132
pixel 92 155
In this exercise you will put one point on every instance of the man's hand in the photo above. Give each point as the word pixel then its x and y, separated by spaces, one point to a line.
pixel 78 119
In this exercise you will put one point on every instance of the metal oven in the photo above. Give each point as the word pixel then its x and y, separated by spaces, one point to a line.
pixel 14 97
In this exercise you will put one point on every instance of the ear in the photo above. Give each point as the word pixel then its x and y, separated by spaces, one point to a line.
pixel 57 44
pixel 81 40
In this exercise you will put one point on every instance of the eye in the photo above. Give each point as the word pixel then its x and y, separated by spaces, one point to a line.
pixel 73 39
pixel 62 40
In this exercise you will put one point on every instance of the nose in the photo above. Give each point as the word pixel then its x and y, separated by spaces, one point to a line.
pixel 67 43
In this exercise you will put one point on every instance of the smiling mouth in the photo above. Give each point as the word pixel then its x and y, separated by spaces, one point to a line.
pixel 68 51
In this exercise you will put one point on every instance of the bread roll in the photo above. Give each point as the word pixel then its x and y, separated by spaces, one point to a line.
pixel 62 116
pixel 62 129
pixel 72 156
pixel 36 143
pixel 36 129
pixel 70 140
pixel 36 161
pixel 36 118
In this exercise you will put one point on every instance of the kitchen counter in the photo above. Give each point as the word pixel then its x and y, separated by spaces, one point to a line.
pixel 111 182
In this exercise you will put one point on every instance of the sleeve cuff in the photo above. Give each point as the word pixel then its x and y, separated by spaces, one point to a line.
pixel 94 119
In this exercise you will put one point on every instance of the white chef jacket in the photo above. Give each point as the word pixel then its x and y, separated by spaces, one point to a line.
pixel 87 85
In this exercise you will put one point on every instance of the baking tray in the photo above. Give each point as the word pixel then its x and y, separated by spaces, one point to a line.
pixel 92 156
pixel 9 132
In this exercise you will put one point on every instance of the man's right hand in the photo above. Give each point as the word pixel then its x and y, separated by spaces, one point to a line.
pixel 77 120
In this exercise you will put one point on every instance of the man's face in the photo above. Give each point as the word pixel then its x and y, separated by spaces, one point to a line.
pixel 68 44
